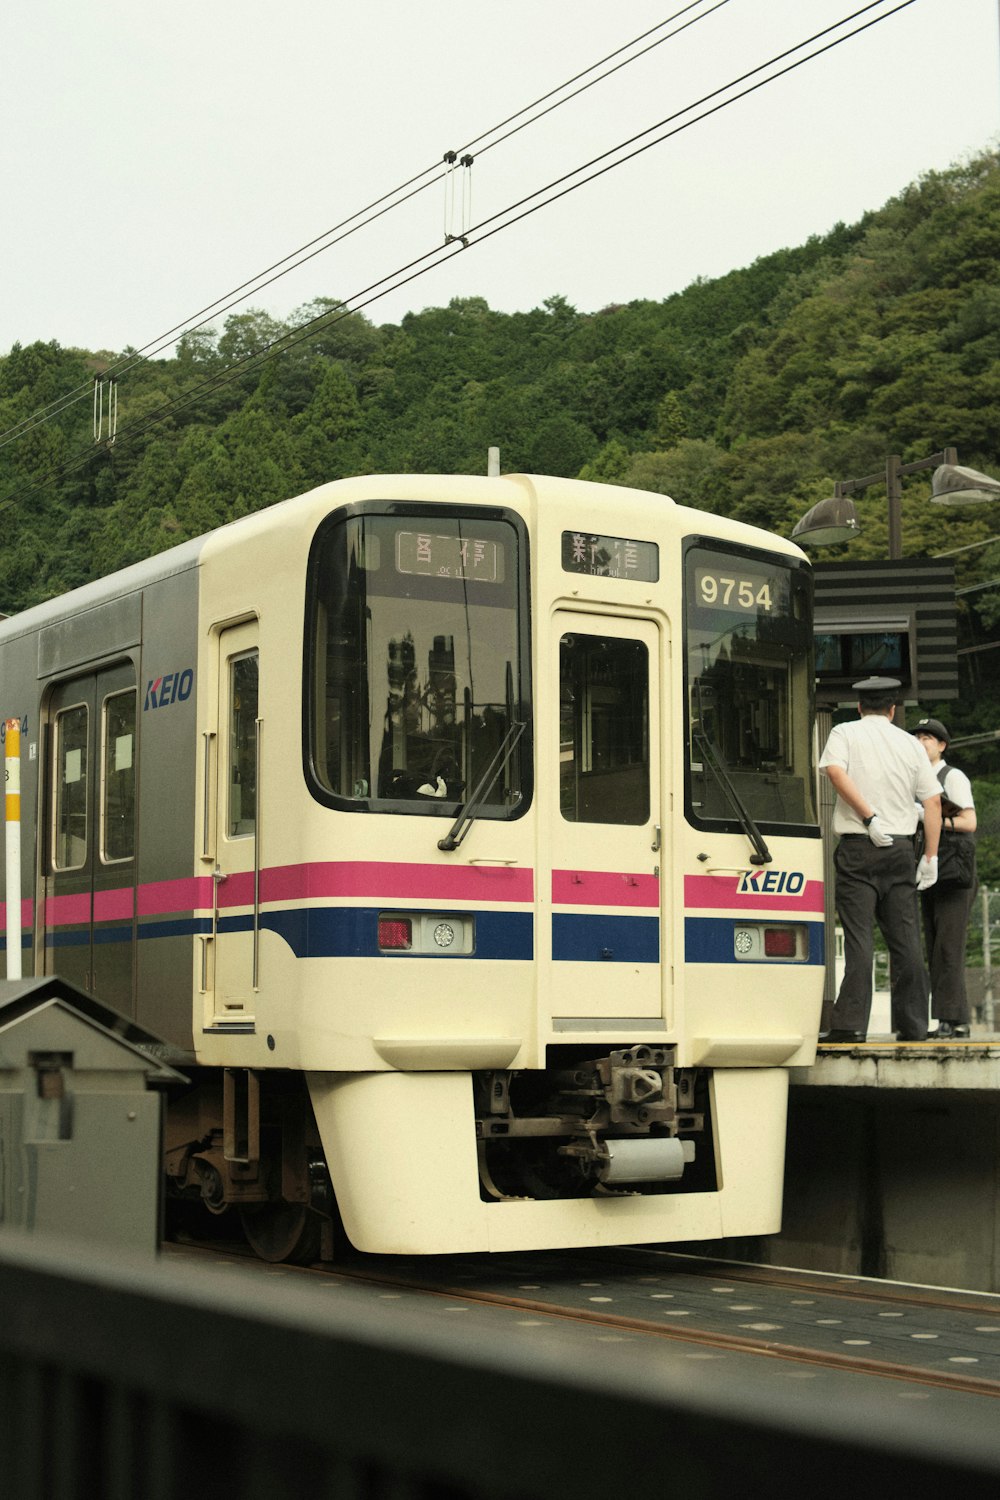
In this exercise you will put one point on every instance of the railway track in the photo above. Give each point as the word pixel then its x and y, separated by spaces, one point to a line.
pixel 927 1337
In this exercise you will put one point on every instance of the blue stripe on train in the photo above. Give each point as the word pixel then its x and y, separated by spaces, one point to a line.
pixel 352 932
pixel 316 932
pixel 581 938
pixel 709 940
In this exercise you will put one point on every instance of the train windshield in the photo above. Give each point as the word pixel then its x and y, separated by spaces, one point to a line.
pixel 417 661
pixel 749 688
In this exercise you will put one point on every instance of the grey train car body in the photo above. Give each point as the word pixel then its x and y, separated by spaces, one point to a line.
pixel 103 638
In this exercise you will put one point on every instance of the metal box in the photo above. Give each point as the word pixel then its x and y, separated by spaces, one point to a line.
pixel 80 1117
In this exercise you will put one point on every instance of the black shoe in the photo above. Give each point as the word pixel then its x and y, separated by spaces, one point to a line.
pixel 837 1037
pixel 947 1030
pixel 903 1036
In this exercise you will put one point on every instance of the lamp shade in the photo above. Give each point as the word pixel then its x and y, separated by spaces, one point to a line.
pixel 828 522
pixel 955 485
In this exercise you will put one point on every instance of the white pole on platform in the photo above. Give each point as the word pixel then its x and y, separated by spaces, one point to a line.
pixel 12 823
pixel 988 1010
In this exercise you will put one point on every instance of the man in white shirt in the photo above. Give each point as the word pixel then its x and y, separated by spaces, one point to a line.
pixel 879 781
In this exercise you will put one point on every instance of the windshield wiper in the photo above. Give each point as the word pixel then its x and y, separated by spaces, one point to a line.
pixel 713 756
pixel 456 833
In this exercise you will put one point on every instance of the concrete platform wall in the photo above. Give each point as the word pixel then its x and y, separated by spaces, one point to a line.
pixel 897 1183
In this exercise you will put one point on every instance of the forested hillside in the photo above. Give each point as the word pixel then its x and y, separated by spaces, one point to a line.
pixel 747 395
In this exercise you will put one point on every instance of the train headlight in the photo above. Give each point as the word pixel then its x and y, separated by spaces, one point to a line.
pixel 771 942
pixel 427 934
pixel 444 934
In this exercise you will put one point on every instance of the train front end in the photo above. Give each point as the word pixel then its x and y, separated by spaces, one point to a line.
pixel 542 921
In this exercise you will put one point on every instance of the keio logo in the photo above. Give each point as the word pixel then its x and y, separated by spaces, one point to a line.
pixel 174 687
pixel 771 883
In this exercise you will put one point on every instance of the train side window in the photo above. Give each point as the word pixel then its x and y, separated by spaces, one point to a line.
pixel 603 730
pixel 70 799
pixel 243 698
pixel 118 778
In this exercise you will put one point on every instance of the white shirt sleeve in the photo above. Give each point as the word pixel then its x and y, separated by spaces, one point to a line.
pixel 958 788
pixel 835 752
pixel 928 784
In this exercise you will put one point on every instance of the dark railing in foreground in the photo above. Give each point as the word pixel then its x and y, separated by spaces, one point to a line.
pixel 140 1381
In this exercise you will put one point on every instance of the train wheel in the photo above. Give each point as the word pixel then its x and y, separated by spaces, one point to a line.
pixel 283 1232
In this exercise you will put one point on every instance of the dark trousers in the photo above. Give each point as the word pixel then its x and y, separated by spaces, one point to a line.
pixel 945 914
pixel 877 885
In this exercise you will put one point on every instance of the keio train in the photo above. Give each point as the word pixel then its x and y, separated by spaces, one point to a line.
pixel 458 836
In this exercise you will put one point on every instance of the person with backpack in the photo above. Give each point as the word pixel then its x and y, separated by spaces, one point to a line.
pixel 946 906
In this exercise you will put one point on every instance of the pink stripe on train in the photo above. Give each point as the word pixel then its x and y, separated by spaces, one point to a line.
pixel 714 892
pixel 604 888
pixel 382 881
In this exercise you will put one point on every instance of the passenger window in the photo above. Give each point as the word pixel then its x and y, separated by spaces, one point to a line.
pixel 118 772
pixel 603 730
pixel 242 818
pixel 69 842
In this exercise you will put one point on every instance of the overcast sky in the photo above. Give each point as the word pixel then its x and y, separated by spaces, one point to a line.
pixel 155 156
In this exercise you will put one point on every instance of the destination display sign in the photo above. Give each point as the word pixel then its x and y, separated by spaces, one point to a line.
pixel 429 554
pixel 610 557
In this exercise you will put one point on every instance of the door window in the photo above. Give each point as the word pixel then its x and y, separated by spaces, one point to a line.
pixel 243 699
pixel 69 843
pixel 118 778
pixel 603 729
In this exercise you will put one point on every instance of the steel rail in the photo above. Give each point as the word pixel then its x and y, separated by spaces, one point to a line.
pixel 736 1343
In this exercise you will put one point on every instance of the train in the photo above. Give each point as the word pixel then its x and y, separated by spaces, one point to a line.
pixel 457 837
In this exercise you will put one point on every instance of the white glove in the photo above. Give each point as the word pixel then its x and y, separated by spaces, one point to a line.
pixel 927 873
pixel 877 833
pixel 920 811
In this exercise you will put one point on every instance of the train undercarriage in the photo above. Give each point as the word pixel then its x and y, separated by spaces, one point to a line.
pixel 245 1141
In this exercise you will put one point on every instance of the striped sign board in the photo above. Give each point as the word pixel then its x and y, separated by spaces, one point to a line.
pixel 895 618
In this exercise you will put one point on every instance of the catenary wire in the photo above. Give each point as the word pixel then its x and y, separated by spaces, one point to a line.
pixel 405 274
pixel 325 241
pixel 370 293
pixel 480 232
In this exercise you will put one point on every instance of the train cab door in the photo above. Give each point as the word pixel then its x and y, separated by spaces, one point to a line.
pixel 237 841
pixel 89 850
pixel 606 917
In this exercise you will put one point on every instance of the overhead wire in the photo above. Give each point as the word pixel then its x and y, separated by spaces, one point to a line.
pixel 386 203
pixel 481 232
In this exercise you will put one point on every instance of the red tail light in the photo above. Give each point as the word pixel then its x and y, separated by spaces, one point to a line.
pixel 395 932
pixel 779 942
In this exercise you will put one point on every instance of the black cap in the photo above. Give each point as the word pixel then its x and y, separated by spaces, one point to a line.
pixel 876 685
pixel 934 728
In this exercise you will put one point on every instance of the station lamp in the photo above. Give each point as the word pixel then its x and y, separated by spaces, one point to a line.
pixel 954 485
pixel 835 519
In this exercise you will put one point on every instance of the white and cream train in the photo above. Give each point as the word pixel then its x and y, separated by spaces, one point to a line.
pixel 458 835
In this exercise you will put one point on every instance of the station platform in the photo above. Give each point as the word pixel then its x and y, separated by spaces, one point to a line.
pixel 882 1062
pixel 892 1163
